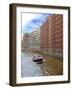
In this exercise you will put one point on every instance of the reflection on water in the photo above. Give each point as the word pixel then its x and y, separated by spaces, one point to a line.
pixel 28 67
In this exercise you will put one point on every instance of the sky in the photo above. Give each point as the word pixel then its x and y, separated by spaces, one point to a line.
pixel 31 21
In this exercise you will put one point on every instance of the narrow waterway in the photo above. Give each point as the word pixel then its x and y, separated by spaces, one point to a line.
pixel 28 67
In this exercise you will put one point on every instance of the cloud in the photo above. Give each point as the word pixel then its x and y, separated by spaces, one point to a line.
pixel 32 21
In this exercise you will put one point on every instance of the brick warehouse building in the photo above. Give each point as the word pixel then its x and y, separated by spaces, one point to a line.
pixel 34 40
pixel 31 41
pixel 48 38
pixel 25 41
pixel 51 35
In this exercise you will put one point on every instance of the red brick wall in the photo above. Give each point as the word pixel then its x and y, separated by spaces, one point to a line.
pixel 51 34
pixel 25 41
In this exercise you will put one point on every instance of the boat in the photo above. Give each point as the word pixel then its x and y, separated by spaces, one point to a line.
pixel 38 59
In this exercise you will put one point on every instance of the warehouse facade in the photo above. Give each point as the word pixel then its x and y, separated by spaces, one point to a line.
pixel 51 35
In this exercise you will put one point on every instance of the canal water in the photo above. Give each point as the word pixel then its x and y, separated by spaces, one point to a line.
pixel 28 67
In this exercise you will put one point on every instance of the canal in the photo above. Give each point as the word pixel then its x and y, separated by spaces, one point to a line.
pixel 50 65
pixel 28 67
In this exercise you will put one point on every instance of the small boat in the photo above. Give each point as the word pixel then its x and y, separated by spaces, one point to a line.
pixel 38 59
